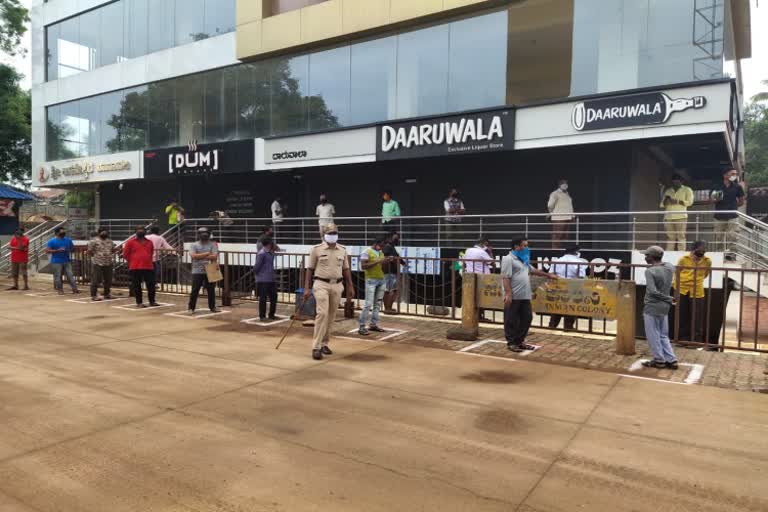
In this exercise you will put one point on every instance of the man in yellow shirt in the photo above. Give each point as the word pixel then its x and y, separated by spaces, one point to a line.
pixel 694 268
pixel 676 200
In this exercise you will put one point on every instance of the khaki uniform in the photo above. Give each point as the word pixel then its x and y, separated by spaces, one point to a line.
pixel 328 264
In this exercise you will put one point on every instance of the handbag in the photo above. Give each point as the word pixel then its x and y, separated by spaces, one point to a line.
pixel 213 272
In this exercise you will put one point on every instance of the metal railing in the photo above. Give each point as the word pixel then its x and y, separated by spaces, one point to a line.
pixel 732 314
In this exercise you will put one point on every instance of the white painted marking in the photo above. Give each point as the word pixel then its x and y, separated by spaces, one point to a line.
pixel 185 315
pixel 654 380
pixel 89 301
pixel 42 294
pixel 348 338
pixel 475 345
pixel 486 356
pixel 394 333
pixel 694 374
pixel 148 308
pixel 257 321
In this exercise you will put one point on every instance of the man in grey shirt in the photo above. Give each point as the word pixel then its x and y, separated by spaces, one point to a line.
pixel 202 252
pixel 515 277
pixel 658 300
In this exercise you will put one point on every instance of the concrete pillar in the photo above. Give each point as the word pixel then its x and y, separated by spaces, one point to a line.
pixel 625 315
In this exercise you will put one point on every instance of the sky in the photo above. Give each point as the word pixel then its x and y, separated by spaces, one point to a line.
pixel 754 70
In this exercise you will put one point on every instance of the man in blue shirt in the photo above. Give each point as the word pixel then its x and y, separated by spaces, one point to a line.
pixel 60 247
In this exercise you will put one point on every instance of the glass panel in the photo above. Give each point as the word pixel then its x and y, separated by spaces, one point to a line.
pixel 52 51
pixel 422 72
pixel 111 34
pixel 90 52
pixel 73 136
pixel 289 79
pixel 478 62
pixel 253 100
pixel 110 111
pixel 90 125
pixel 329 88
pixel 281 6
pixel 132 123
pixel 136 24
pixel 374 81
pixel 189 108
pixel 53 135
pixel 219 17
pixel 69 49
pixel 220 105
pixel 161 25
pixel 163 128
pixel 189 21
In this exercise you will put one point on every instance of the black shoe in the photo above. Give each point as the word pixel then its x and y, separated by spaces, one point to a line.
pixel 107 297
pixel 654 364
pixel 141 305
pixel 95 299
pixel 12 288
pixel 326 350
pixel 154 304
pixel 273 317
pixel 363 331
pixel 671 366
pixel 191 311
pixel 376 328
pixel 514 348
pixel 317 355
pixel 214 310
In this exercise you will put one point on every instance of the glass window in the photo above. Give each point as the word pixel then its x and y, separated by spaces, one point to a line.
pixel 52 36
pixel 110 110
pixel 422 72
pixel 281 6
pixel 161 25
pixel 329 88
pixel 219 17
pixel 90 40
pixel 70 52
pixel 53 135
pixel 189 21
pixel 253 100
pixel 111 34
pixel 289 77
pixel 132 123
pixel 189 107
pixel 163 128
pixel 74 130
pixel 477 62
pixel 136 25
pixel 220 104
pixel 90 126
pixel 373 80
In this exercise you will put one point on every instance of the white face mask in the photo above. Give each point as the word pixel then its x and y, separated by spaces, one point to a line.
pixel 564 187
pixel 331 239
pixel 733 179
pixel 578 255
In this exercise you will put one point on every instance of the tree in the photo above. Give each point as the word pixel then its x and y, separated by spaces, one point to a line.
pixel 761 96
pixel 15 127
pixel 756 143
pixel 13 23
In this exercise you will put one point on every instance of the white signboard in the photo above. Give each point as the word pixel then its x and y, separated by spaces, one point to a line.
pixel 92 169
pixel 332 148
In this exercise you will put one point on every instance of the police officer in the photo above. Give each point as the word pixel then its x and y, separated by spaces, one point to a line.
pixel 328 264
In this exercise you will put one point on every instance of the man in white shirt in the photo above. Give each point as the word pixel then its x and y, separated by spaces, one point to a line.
pixel 278 211
pixel 325 212
pixel 560 206
pixel 570 266
pixel 479 259
pixel 161 246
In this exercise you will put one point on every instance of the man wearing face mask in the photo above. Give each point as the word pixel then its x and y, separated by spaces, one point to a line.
pixel 138 252
pixel 19 246
pixel 101 249
pixel 328 264
pixel 202 252
pixel 60 247
pixel 694 268
pixel 727 197
pixel 569 266
pixel 391 288
pixel 454 210
pixel 390 210
pixel 676 201
pixel 560 206
pixel 515 278
pixel 325 212
pixel 372 261
pixel 658 301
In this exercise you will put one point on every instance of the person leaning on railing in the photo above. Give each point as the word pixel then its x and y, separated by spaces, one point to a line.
pixel 676 201
pixel 692 269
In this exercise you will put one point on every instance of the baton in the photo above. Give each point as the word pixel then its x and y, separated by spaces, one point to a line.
pixel 290 325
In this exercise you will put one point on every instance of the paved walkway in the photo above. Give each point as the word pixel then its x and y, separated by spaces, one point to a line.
pixel 105 408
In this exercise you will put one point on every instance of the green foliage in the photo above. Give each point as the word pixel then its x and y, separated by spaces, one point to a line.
pixel 756 143
pixel 761 96
pixel 13 23
pixel 15 127
pixel 80 199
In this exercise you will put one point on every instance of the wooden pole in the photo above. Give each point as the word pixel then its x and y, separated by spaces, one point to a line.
pixel 626 317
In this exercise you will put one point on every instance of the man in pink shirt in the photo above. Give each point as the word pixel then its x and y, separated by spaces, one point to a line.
pixel 161 246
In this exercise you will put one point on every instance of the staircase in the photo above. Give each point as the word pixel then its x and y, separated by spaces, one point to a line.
pixel 38 238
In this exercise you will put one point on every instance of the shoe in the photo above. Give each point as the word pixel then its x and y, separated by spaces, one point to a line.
pixel 326 350
pixel 12 288
pixel 273 317
pixel 76 292
pixel 317 355
pixel 141 305
pixel 154 304
pixel 95 299
pixel 514 348
pixel 107 297
pixel 60 292
pixel 671 366
pixel 376 328
pixel 263 319
pixel 191 311
pixel 26 288
pixel 215 310
pixel 363 331
pixel 654 364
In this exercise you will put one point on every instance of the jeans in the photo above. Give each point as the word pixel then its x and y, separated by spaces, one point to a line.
pixel 518 316
pixel 198 281
pixel 374 293
pixel 101 273
pixel 148 277
pixel 267 291
pixel 66 268
pixel 657 334
pixel 570 322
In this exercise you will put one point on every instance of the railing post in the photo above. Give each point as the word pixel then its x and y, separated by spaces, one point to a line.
pixel 439 232
pixel 634 233
pixel 578 230
pixel 526 226
pixel 365 231
pixel 481 227
pixel 226 295
pixel 697 227
pixel 246 230
pixel 303 242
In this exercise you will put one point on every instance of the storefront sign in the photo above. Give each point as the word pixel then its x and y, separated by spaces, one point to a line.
pixel 472 133
pixel 634 110
pixel 331 148
pixel 239 203
pixel 119 166
pixel 196 159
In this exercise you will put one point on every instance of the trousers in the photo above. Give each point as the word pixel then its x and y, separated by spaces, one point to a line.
pixel 148 278
pixel 101 274
pixel 327 298
pixel 267 291
pixel 676 238
pixel 58 270
pixel 560 231
pixel 518 316
pixel 198 281
pixel 374 294
pixel 657 334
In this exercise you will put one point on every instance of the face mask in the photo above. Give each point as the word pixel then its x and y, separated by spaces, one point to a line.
pixel 578 255
pixel 205 238
pixel 331 239
pixel 62 235
pixel 524 255
pixel 323 200
pixel 141 234
pixel 676 185
pixel 699 254
pixel 103 236
pixel 564 187
pixel 733 179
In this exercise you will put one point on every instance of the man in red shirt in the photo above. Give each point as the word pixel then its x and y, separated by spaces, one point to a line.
pixel 138 252
pixel 19 259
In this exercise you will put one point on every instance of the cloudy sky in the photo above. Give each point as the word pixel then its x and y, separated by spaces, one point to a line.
pixel 754 69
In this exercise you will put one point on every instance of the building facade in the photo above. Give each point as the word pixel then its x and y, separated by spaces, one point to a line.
pixel 226 104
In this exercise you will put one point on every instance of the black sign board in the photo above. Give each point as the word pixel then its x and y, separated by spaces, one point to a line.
pixel 634 110
pixel 451 135
pixel 197 159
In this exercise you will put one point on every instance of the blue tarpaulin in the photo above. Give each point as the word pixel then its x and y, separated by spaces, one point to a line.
pixel 7 192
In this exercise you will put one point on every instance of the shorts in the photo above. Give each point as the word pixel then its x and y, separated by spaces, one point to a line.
pixel 390 282
pixel 18 269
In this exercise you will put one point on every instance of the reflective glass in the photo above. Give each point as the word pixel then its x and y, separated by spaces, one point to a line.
pixel 53 135
pixel 132 123
pixel 219 17
pixel 89 40
pixel 220 104
pixel 90 125
pixel 422 72
pixel 136 20
pixel 329 96
pixel 189 22
pixel 253 100
pixel 189 108
pixel 373 80
pixel 163 128
pixel 161 25
pixel 52 35
pixel 111 34
pixel 70 52
pixel 109 112
pixel 74 132
pixel 289 84
pixel 477 62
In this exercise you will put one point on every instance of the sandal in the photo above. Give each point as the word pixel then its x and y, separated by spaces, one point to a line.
pixel 654 364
